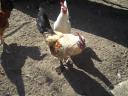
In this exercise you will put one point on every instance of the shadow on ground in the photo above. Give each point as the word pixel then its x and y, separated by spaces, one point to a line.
pixel 84 62
pixel 91 17
pixel 81 82
pixel 12 63
pixel 84 85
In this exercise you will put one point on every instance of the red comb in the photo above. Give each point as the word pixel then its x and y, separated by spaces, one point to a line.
pixel 62 4
pixel 80 38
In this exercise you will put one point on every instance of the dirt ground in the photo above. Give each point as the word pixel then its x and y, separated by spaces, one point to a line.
pixel 29 70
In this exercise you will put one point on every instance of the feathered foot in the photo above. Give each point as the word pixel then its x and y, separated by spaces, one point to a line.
pixel 2 39
pixel 69 63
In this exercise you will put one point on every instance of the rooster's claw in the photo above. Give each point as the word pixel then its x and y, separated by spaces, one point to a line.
pixel 60 69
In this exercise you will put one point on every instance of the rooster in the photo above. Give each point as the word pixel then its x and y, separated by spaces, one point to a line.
pixel 6 7
pixel 61 45
pixel 62 23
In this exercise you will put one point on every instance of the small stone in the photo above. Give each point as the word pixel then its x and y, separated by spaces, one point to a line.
pixel 2 73
pixel 119 75
pixel 114 46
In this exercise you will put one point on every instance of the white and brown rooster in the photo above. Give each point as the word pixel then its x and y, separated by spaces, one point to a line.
pixel 61 45
pixel 62 23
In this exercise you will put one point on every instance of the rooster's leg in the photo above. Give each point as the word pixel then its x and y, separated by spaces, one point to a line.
pixel 6 47
pixel 69 63
pixel 61 68
pixel 61 63
pixel 1 38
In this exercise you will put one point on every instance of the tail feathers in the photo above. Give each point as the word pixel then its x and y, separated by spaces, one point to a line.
pixel 43 23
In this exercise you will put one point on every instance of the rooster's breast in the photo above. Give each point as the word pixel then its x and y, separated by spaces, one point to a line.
pixel 69 45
